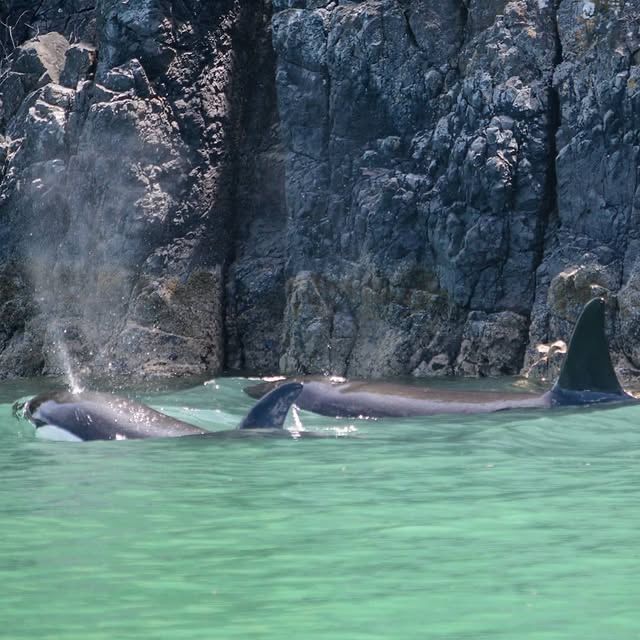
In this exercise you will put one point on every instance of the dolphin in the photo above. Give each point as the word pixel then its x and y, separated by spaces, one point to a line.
pixel 90 415
pixel 587 378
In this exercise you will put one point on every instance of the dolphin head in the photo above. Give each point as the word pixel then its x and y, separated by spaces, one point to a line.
pixel 32 409
pixel 46 408
pixel 52 414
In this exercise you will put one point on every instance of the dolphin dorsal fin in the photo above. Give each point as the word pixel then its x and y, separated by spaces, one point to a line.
pixel 587 365
pixel 272 409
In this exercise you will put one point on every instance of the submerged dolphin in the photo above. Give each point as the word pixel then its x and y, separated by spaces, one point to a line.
pixel 103 416
pixel 587 377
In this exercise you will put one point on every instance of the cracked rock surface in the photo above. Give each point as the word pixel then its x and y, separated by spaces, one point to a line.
pixel 126 128
pixel 470 167
pixel 373 188
pixel 418 139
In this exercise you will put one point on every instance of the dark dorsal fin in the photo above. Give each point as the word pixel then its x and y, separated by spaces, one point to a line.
pixel 587 365
pixel 270 412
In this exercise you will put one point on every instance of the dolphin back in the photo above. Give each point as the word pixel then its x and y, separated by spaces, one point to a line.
pixel 587 371
pixel 90 415
pixel 271 411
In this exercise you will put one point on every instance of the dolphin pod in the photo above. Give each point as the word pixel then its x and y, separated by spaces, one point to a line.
pixel 587 377
pixel 102 416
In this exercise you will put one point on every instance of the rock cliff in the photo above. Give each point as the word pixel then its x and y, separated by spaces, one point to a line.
pixel 384 187
pixel 138 141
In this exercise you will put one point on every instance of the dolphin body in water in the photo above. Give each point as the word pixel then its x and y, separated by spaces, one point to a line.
pixel 91 415
pixel 587 378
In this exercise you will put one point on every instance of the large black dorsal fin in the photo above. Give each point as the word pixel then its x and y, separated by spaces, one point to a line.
pixel 272 409
pixel 587 365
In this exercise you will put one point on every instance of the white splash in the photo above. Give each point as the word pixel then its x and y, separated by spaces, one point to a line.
pixel 74 384
pixel 296 419
pixel 588 9
pixel 65 359
pixel 345 431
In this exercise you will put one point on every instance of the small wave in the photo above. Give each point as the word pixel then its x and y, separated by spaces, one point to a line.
pixel 18 409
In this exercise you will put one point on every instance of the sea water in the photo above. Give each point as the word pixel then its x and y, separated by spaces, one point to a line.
pixel 512 525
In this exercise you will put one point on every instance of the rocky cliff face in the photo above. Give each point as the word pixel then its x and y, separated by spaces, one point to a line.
pixel 471 169
pixel 383 187
pixel 427 177
pixel 137 139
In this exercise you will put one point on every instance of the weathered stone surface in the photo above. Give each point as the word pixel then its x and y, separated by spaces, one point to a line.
pixel 546 363
pixel 143 30
pixel 418 159
pixel 383 187
pixel 40 60
pixel 593 236
pixel 80 59
pixel 629 318
pixel 424 138
pixel 118 200
pixel 36 63
pixel 492 344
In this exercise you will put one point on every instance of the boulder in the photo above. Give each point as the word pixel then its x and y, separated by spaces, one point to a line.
pixel 40 60
pixel 80 61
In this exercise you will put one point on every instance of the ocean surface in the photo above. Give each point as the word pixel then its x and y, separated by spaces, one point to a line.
pixel 512 525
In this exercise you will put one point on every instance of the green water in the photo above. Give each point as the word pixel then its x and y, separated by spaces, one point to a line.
pixel 507 526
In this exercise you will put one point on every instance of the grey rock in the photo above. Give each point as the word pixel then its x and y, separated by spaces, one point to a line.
pixel 547 362
pixel 119 190
pixel 492 344
pixel 386 187
pixel 33 64
pixel 596 229
pixel 320 327
pixel 12 94
pixel 41 60
pixel 629 318
pixel 142 30
pixel 79 63
pixel 130 76
pixel 438 367
pixel 302 37
pixel 418 159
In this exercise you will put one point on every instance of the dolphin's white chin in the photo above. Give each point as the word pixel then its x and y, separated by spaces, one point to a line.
pixel 51 432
